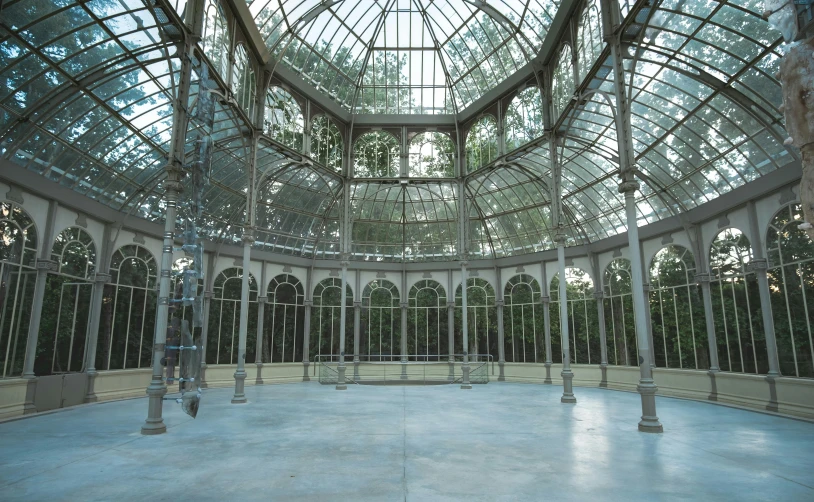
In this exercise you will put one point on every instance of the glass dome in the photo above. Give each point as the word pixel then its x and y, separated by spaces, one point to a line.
pixel 396 130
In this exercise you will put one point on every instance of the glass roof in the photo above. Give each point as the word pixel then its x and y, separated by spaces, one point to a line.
pixel 404 56
pixel 88 88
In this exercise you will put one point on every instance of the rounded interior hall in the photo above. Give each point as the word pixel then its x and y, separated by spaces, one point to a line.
pixel 391 196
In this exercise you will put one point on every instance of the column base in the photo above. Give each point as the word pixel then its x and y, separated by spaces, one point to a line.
pixel 650 421
pixel 567 387
pixel 501 377
pixel 713 394
pixel 305 377
pixel 30 392
pixel 340 381
pixel 465 383
pixel 772 405
pixel 204 385
pixel 603 383
pixel 547 373
pixel 240 382
pixel 259 379
pixel 154 424
pixel 90 396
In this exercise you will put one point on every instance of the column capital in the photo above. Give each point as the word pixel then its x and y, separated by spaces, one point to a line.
pixel 248 236
pixel 599 295
pixel 344 264
pixel 404 305
pixel 545 300
pixel 47 265
pixel 450 305
pixel 101 278
pixel 308 303
pixel 704 278
pixel 344 258
pixel 262 299
pixel 500 303
pixel 560 237
pixel 357 305
pixel 757 265
pixel 628 186
pixel 208 295
pixel 647 287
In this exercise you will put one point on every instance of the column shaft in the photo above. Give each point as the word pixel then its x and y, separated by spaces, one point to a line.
pixel 647 388
pixel 465 384
pixel 546 303
pixel 501 349
pixel 603 338
pixel 258 357
pixel 306 340
pixel 240 373
pixel 357 310
pixel 567 374
pixel 340 383
pixel 451 337
pixel 204 334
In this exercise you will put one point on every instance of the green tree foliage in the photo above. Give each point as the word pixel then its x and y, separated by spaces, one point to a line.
pixel 376 155
pixel 481 315
pixel 427 319
pixel 431 155
pixel 481 143
pixel 583 323
pixel 523 321
pixel 620 327
pixel 326 319
pixel 283 120
pixel 284 318
pixel 224 318
pixel 791 286
pixel 677 311
pixel 380 329
pixel 524 118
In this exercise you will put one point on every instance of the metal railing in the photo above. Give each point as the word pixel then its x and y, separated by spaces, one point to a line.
pixel 424 369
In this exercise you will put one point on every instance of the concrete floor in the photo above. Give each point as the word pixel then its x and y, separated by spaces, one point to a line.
pixel 498 441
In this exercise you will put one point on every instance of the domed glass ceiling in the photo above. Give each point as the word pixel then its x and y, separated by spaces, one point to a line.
pixel 404 56
pixel 88 89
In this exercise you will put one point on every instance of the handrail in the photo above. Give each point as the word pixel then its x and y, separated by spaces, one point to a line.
pixel 318 358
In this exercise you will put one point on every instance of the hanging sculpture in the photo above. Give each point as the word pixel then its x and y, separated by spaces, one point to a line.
pixel 184 344
pixel 797 79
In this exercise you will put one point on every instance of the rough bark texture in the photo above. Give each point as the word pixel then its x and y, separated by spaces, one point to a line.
pixel 797 77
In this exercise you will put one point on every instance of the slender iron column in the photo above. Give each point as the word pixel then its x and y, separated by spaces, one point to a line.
pixel 101 278
pixel 567 374
pixel 258 357
pixel 603 337
pixel 501 350
pixel 357 310
pixel 451 337
pixel 340 383
pixel 43 265
pixel 306 339
pixel 403 347
pixel 545 301
pixel 759 265
pixel 240 373
pixel 207 302
pixel 465 366
pixel 647 387
pixel 154 424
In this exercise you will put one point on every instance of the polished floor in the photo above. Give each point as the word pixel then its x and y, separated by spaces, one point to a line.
pixel 499 441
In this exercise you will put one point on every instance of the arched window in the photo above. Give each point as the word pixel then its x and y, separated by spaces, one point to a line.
pixel 127 324
pixel 481 143
pixel 64 323
pixel 791 285
pixel 432 155
pixel 524 118
pixel 215 39
pixel 582 316
pixel 736 305
pixel 224 318
pixel 326 317
pixel 283 118
pixel 18 255
pixel 427 327
pixel 376 155
pixel 326 143
pixel 284 318
pixel 380 337
pixel 244 85
pixel 676 311
pixel 523 321
pixel 562 86
pixel 481 317
pixel 589 38
pixel 620 326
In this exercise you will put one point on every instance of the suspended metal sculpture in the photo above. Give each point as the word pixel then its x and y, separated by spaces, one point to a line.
pixel 797 78
pixel 184 344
